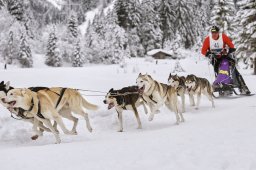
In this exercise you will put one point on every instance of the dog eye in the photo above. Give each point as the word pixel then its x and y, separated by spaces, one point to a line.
pixel 141 81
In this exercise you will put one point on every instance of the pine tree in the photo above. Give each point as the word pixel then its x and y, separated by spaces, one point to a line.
pixel 25 56
pixel 223 14
pixel 185 23
pixel 10 48
pixel 136 48
pixel 177 67
pixel 128 13
pixel 77 56
pixel 106 43
pixel 246 39
pixel 168 17
pixel 72 26
pixel 53 57
pixel 149 29
pixel 16 8
pixel 1 4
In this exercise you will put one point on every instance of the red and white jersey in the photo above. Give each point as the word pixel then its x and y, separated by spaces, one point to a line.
pixel 220 43
pixel 216 44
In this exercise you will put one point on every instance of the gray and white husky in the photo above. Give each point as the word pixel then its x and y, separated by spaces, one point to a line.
pixel 178 82
pixel 198 86
pixel 157 94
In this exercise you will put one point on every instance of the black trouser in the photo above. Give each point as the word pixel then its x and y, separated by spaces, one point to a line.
pixel 236 76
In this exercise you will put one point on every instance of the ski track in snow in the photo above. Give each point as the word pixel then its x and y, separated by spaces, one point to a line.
pixel 222 138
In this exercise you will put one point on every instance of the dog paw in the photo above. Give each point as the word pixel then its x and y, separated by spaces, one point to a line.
pixel 150 118
pixel 197 108
pixel 57 142
pixel 139 127
pixel 90 130
pixel 74 132
pixel 35 137
pixel 157 111
pixel 120 130
pixel 178 122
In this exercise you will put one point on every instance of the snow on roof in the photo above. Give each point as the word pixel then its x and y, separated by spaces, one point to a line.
pixel 154 51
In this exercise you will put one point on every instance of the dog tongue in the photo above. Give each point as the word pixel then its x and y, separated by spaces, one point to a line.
pixel 141 90
pixel 110 105
pixel 12 103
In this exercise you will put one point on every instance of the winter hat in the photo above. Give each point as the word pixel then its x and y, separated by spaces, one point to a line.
pixel 215 29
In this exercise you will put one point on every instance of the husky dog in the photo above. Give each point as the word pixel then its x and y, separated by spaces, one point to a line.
pixel 45 105
pixel 127 98
pixel 4 88
pixel 198 86
pixel 178 82
pixel 157 94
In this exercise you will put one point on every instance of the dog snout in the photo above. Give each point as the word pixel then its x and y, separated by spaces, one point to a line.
pixel 104 101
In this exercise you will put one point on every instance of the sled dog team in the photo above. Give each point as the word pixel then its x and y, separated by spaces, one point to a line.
pixel 41 105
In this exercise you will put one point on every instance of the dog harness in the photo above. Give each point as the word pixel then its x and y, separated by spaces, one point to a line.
pixel 61 95
pixel 36 89
pixel 39 114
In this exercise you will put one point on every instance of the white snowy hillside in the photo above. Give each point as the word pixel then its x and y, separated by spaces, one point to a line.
pixel 210 138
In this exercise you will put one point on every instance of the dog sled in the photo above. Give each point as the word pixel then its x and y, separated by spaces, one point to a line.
pixel 226 81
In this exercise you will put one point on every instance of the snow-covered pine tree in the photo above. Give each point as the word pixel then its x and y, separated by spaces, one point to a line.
pixel 128 13
pixel 25 56
pixel 77 56
pixel 246 40
pixel 167 14
pixel 16 8
pixel 149 29
pixel 185 23
pixel 53 54
pixel 10 48
pixel 136 48
pixel 1 4
pixel 106 43
pixel 177 67
pixel 72 26
pixel 223 14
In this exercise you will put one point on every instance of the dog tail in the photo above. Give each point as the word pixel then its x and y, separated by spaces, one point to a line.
pixel 88 105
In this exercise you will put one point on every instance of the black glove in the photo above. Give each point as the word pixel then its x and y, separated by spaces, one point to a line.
pixel 231 50
pixel 208 54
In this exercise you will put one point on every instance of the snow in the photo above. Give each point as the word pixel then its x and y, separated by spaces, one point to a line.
pixel 91 14
pixel 57 3
pixel 212 139
pixel 154 51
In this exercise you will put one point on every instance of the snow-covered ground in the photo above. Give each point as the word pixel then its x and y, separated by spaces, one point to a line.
pixel 211 139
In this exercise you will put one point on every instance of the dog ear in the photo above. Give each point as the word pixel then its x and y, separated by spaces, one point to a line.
pixel 7 85
pixel 23 92
pixel 194 78
pixel 111 90
pixel 140 74
pixel 170 74
pixel 2 83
